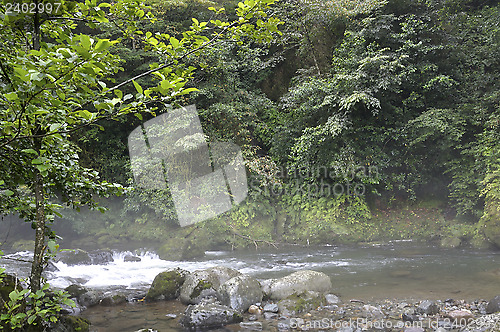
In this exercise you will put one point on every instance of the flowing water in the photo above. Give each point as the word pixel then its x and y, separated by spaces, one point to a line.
pixel 396 270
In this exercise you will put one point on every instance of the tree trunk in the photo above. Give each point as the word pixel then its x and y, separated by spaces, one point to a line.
pixel 38 261
pixel 37 265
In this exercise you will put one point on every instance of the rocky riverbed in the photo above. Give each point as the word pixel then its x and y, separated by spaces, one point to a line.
pixel 225 299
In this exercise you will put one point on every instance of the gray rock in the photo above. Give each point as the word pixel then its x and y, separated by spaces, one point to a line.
pixel 300 303
pixel 100 257
pixel 196 286
pixel 76 290
pixel 221 274
pixel 167 285
pixel 298 282
pixel 205 283
pixel 271 307
pixel 253 326
pixel 266 287
pixel 332 299
pixel 171 316
pixel 427 307
pixel 270 315
pixel 112 300
pixel 493 305
pixel 240 292
pixel 213 315
pixel 90 298
pixel 370 311
pixel 74 257
pixel 130 258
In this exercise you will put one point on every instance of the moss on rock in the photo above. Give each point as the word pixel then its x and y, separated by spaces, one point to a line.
pixel 167 285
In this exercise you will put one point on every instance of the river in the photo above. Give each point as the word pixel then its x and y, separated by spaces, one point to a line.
pixel 395 270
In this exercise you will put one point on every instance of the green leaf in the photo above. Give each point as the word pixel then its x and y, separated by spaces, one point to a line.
pixel 166 84
pixel 11 96
pixel 102 44
pixel 175 42
pixel 8 192
pixel 31 151
pixel 137 87
pixel 85 41
pixel 188 90
pixel 43 168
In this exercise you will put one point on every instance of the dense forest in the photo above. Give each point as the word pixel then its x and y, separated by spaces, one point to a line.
pixel 363 121
pixel 358 121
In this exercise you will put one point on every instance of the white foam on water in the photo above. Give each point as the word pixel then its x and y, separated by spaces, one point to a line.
pixel 120 272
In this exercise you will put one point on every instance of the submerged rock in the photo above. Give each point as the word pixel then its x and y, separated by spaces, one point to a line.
pixel 240 292
pixel 212 315
pixel 298 282
pixel 253 326
pixel 167 285
pixel 112 300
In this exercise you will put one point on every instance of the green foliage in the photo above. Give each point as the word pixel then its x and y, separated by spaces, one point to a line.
pixel 40 308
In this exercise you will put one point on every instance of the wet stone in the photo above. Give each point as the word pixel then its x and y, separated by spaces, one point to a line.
pixel 270 315
pixel 271 307
pixel 253 326
pixel 427 307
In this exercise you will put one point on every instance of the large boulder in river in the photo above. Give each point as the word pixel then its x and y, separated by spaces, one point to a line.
pixel 240 292
pixel 74 257
pixel 167 285
pixel 298 282
pixel 205 283
pixel 206 316
pixel 101 257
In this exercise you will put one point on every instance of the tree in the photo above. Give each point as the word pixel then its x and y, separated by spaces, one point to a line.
pixel 56 80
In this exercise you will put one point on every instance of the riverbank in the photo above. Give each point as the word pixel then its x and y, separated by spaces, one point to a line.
pixel 165 316
pixel 300 301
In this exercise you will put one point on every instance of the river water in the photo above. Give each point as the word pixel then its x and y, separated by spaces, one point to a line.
pixel 402 270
